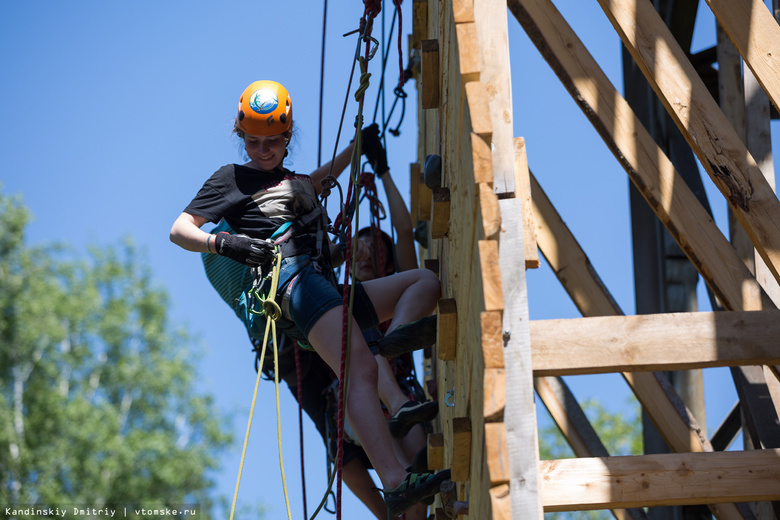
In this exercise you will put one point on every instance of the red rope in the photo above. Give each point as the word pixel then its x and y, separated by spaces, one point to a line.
pixel 342 368
pixel 402 80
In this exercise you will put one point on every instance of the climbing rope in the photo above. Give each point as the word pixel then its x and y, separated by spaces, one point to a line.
pixel 271 310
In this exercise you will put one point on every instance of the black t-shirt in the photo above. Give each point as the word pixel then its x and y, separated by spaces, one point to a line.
pixel 254 202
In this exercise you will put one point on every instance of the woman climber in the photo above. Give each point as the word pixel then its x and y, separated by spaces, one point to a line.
pixel 266 203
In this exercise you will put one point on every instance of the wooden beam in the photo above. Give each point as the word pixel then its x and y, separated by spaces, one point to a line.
pixel 671 341
pixel 419 22
pixel 491 215
pixel 463 11
pixel 479 110
pixel 447 329
pixel 756 34
pixel 497 458
pixel 414 191
pixel 728 430
pixel 490 18
pixel 480 159
pixel 494 389
pixel 492 343
pixel 430 74
pixel 523 192
pixel 468 51
pixel 648 167
pixel 654 480
pixel 461 449
pixel 520 417
pixel 500 503
pixel 440 215
pixel 425 196
pixel 435 451
pixel 491 275
pixel 720 150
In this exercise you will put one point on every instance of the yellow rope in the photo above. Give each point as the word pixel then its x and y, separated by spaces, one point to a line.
pixel 273 312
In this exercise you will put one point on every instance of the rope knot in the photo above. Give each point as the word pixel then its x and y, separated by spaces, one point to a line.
pixel 272 309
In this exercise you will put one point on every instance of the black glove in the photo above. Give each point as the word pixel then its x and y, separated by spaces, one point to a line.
pixel 248 251
pixel 373 149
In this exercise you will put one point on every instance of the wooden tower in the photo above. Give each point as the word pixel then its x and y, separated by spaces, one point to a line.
pixel 486 217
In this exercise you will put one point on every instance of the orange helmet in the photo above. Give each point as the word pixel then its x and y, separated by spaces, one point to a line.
pixel 264 109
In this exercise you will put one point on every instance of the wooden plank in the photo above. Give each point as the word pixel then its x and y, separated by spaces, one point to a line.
pixel 497 457
pixel 440 213
pixel 520 416
pixel 653 480
pixel 491 215
pixel 494 388
pixel 419 22
pixel 760 419
pixel 446 329
pixel 755 33
pixel 492 343
pixel 759 141
pixel 523 185
pixel 500 503
pixel 425 199
pixel 728 430
pixel 491 275
pixel 648 168
pixel 480 159
pixel 414 191
pixel 435 451
pixel 432 264
pixel 490 17
pixel 479 110
pixel 430 74
pixel 707 130
pixel 463 11
pixel 468 52
pixel 670 341
pixel 461 449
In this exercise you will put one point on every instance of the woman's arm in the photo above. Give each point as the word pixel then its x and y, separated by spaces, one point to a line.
pixel 340 163
pixel 186 233
pixel 402 222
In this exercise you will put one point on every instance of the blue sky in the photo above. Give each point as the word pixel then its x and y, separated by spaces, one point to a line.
pixel 113 114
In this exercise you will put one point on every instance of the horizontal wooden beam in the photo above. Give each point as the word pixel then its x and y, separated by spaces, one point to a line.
pixel 674 341
pixel 654 480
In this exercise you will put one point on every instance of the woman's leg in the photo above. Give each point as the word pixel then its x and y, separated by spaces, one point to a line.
pixel 362 400
pixel 359 481
pixel 404 297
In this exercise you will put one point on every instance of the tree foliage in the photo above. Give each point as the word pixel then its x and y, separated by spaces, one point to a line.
pixel 98 404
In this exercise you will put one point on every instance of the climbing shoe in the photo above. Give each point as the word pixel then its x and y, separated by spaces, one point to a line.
pixel 408 338
pixel 411 413
pixel 414 488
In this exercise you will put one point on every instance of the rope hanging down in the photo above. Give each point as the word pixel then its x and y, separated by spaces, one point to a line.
pixel 270 309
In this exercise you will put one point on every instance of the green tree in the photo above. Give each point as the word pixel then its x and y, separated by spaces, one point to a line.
pixel 620 433
pixel 98 404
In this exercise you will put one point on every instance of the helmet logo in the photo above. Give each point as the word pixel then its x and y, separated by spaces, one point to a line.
pixel 263 101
